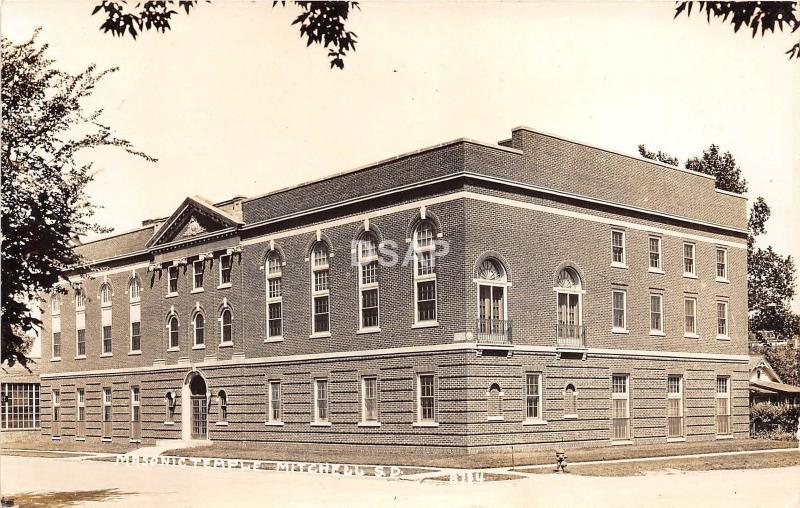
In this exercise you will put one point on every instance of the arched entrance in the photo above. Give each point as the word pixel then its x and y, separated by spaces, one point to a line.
pixel 195 409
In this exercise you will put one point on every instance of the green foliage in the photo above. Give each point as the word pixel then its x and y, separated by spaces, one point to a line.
pixel 771 421
pixel 763 16
pixel 722 167
pixel 44 204
pixel 320 22
pixel 786 363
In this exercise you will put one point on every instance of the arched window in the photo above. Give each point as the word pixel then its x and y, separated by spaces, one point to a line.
pixel 134 296
pixel 172 331
pixel 105 294
pixel 274 296
pixel 424 273
pixel 134 290
pixel 570 402
pixel 494 402
pixel 226 325
pixel 105 318
pixel 223 405
pixel 569 302
pixel 493 325
pixel 368 281
pixel 320 289
pixel 199 325
pixel 55 304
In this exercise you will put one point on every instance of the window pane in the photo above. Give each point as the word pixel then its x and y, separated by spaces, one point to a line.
pixel 426 398
pixel 655 253
pixel 688 258
pixel 426 301
pixel 532 396
pixel 274 288
pixel 321 314
pixel 618 247
pixel 275 320
pixel 655 313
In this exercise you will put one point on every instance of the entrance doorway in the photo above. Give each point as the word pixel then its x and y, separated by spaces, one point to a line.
pixel 195 412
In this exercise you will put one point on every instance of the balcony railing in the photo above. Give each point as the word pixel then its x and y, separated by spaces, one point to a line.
pixel 493 331
pixel 570 336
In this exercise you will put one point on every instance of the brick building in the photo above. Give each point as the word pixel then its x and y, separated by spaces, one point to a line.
pixel 458 298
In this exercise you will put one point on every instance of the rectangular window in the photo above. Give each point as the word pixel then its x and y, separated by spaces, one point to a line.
pixel 321 280
pixel 618 248
pixel 321 400
pixel 274 407
pixel 369 308
pixel 274 288
pixel 135 404
pixel 225 269
pixel 172 280
pixel 426 300
pixel 674 406
pixel 107 417
pixel 136 327
pixel 655 253
pixel 56 344
pixel 533 397
pixel 723 405
pixel 80 396
pixel 107 340
pixel 20 406
pixel 656 314
pixel 619 322
pixel 275 325
pixel 56 430
pixel 722 264
pixel 621 412
pixel 722 320
pixel 321 314
pixel 689 267
pixel 426 398
pixel 369 273
pixel 198 269
pixel 81 342
pixel 690 317
pixel 369 394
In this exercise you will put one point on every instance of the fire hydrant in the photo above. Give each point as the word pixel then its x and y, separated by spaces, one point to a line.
pixel 561 460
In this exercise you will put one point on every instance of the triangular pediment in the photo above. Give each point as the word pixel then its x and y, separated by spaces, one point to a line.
pixel 195 217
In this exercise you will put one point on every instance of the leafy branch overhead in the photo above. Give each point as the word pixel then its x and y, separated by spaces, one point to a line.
pixel 320 22
pixel 757 16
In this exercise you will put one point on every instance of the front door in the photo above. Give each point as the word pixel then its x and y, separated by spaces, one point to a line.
pixel 199 417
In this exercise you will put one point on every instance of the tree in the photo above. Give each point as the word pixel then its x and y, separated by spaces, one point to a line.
pixel 43 202
pixel 320 22
pixel 727 174
pixel 766 16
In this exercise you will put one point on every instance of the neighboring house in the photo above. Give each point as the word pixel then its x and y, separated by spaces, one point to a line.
pixel 766 385
pixel 544 292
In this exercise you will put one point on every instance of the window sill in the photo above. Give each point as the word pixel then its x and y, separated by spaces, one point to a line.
pixel 722 279
pixel 676 440
pixel 569 417
pixel 198 346
pixel 657 333
pixel 425 424
pixel 226 344
pixel 689 275
pixel 495 419
pixel 171 424
pixel 277 338
pixel 171 295
pixel 55 359
pixel 134 353
pixel 425 324
pixel 622 331
pixel 55 438
pixel 225 286
pixel 368 424
pixel 657 271
pixel 273 424
pixel 197 290
pixel 621 443
pixel 221 424
pixel 173 350
pixel 80 357
pixel 319 335
pixel 533 421
pixel 691 336
pixel 723 337
pixel 619 265
pixel 106 355
pixel 372 329
pixel 105 439
pixel 321 424
pixel 80 438
pixel 724 436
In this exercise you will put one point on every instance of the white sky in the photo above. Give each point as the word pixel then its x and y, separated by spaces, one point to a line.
pixel 232 102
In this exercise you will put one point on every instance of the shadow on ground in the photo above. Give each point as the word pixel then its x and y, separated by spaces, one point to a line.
pixel 57 499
